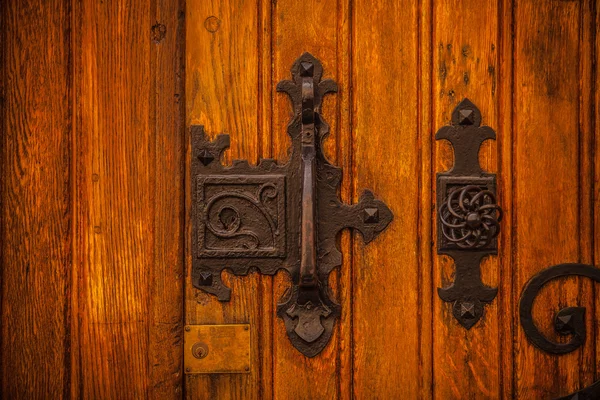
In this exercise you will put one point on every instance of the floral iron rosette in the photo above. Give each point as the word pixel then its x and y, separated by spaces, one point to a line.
pixel 470 217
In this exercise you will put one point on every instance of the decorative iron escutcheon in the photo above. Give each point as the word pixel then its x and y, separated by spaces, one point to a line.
pixel 468 214
pixel 569 321
pixel 280 216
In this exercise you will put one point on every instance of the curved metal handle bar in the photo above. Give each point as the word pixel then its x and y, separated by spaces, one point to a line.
pixel 302 214
pixel 308 257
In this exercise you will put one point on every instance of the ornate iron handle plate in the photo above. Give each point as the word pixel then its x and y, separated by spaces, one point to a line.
pixel 279 216
pixel 469 216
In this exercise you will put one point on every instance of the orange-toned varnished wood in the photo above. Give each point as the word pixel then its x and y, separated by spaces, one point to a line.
pixel 36 256
pixel 129 199
pixel 465 64
pixel 324 32
pixel 551 216
pixel 95 101
pixel 223 81
pixel 387 351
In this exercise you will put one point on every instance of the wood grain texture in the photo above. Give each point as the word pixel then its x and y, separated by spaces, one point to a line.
pixel 386 276
pixel 167 63
pixel 550 189
pixel 95 98
pixel 223 85
pixel 35 196
pixel 129 257
pixel 465 61
pixel 426 211
pixel 505 133
pixel 321 28
pixel 115 159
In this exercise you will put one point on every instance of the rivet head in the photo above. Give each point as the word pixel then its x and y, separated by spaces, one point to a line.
pixel 371 215
pixel 465 117
pixel 473 220
pixel 205 157
pixel 564 323
pixel 205 279
pixel 467 310
pixel 307 68
pixel 187 328
pixel 188 369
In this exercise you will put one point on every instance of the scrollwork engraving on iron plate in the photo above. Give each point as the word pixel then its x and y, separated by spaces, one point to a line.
pixel 279 216
pixel 468 214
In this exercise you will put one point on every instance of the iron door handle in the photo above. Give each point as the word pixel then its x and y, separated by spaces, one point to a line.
pixel 279 216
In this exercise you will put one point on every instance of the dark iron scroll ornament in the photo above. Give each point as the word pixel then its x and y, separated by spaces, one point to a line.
pixel 280 216
pixel 569 321
pixel 468 214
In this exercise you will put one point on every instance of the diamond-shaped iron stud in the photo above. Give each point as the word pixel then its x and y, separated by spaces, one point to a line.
pixel 371 215
pixel 307 69
pixel 465 117
pixel 206 278
pixel 564 324
pixel 205 157
pixel 467 310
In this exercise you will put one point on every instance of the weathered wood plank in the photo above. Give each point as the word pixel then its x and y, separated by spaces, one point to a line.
pixel 507 296
pixel 426 211
pixel 129 256
pixel 322 29
pixel 167 62
pixel 386 277
pixel 224 78
pixel 35 195
pixel 465 62
pixel 550 189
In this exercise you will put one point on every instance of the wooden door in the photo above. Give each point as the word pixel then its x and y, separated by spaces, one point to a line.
pixel 96 99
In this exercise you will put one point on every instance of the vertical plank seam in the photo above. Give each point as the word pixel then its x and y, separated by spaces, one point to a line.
pixel 418 149
pixel 499 103
pixel 73 321
pixel 580 173
pixel 153 122
pixel 432 183
pixel 513 174
pixel 3 163
pixel 431 178
pixel 506 299
pixel 351 138
pixel 181 44
pixel 72 200
pixel 591 174
pixel 272 33
pixel 345 140
pixel 353 184
pixel 593 100
pixel 259 148
pixel 338 151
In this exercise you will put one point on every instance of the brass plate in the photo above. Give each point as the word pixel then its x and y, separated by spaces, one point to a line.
pixel 216 349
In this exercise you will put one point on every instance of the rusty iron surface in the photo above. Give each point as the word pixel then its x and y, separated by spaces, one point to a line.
pixel 468 216
pixel 280 216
